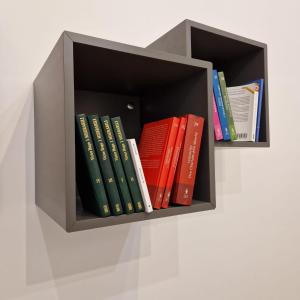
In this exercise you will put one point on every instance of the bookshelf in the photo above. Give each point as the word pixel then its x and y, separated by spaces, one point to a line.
pixel 90 75
pixel 241 59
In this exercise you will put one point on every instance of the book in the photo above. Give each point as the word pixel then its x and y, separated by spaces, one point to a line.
pixel 188 161
pixel 244 102
pixel 260 83
pixel 155 149
pixel 227 106
pixel 105 164
pixel 126 159
pixel 117 164
pixel 174 161
pixel 89 179
pixel 140 174
pixel 216 120
pixel 220 106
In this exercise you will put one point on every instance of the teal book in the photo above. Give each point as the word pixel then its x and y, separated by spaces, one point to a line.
pixel 127 164
pixel 105 165
pixel 227 106
pixel 117 164
pixel 89 179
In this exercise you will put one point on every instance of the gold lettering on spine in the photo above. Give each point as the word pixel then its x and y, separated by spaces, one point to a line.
pixel 99 139
pixel 119 133
pixel 87 138
pixel 109 134
pixel 121 139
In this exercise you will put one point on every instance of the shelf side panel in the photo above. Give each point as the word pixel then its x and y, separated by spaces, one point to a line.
pixel 49 124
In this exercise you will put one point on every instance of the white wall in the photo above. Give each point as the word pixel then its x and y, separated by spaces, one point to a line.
pixel 248 248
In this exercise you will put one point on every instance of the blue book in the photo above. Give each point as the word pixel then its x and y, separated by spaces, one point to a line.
pixel 220 106
pixel 260 83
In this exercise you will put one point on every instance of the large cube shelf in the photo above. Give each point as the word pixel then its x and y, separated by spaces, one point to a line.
pixel 241 59
pixel 85 74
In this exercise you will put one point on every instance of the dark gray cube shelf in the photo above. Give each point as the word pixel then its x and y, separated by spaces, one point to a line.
pixel 241 59
pixel 89 75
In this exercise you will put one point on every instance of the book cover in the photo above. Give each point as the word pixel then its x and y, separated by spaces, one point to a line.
pixel 220 106
pixel 105 165
pixel 117 164
pixel 140 174
pixel 227 106
pixel 155 149
pixel 174 161
pixel 188 161
pixel 89 179
pixel 126 159
pixel 244 102
pixel 216 120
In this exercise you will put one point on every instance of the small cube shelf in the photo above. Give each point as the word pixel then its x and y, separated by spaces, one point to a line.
pixel 90 75
pixel 241 59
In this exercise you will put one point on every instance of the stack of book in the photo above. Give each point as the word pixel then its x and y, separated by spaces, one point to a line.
pixel 115 176
pixel 106 174
pixel 236 110
pixel 169 151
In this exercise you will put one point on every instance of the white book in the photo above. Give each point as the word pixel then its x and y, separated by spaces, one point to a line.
pixel 140 174
pixel 244 103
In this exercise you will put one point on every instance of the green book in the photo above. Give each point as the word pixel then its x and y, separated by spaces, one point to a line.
pixel 127 164
pixel 89 179
pixel 227 106
pixel 105 165
pixel 117 164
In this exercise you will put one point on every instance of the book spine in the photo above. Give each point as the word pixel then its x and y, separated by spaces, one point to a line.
pixel 140 175
pixel 227 106
pixel 166 164
pixel 105 165
pixel 100 204
pixel 261 87
pixel 254 122
pixel 188 161
pixel 175 157
pixel 216 120
pixel 127 164
pixel 220 106
pixel 117 164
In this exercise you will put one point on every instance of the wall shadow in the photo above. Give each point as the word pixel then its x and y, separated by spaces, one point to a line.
pixel 107 254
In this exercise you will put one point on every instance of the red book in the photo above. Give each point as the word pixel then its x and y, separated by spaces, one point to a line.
pixel 188 161
pixel 174 161
pixel 155 149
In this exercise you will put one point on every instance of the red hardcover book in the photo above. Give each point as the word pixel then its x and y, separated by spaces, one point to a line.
pixel 174 161
pixel 188 161
pixel 155 149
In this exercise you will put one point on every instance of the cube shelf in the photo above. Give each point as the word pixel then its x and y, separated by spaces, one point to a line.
pixel 241 59
pixel 90 75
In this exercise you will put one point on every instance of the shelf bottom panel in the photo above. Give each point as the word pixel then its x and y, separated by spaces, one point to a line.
pixel 86 220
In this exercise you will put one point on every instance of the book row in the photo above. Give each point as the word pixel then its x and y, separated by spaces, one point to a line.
pixel 236 110
pixel 115 176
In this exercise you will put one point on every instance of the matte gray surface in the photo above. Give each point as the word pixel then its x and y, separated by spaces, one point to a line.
pixel 241 59
pixel 86 74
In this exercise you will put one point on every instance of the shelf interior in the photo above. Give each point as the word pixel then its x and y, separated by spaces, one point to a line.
pixel 242 62
pixel 141 89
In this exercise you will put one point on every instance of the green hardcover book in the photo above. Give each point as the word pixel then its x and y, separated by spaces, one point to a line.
pixel 117 164
pixel 89 179
pixel 127 164
pixel 227 106
pixel 105 165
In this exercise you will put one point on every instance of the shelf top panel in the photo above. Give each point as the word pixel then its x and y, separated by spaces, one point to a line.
pixel 116 46
pixel 225 34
